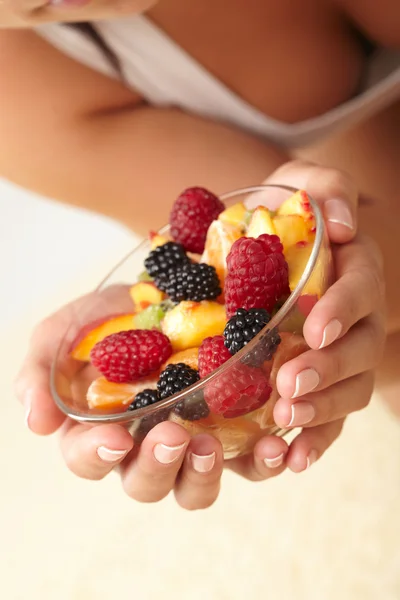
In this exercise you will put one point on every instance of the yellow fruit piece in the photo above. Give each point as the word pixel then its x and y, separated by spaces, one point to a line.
pixel 190 357
pixel 145 293
pixel 189 323
pixel 297 258
pixel 234 215
pixel 220 237
pixel 157 240
pixel 260 223
pixel 95 332
pixel 291 229
pixel 299 204
pixel 107 395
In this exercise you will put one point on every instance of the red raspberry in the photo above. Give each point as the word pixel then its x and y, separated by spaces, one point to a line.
pixel 128 355
pixel 212 354
pixel 192 214
pixel 237 392
pixel 257 274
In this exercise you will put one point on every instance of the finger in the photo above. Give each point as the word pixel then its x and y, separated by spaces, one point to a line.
pixel 334 191
pixel 267 460
pixel 316 370
pixel 92 452
pixel 310 445
pixel 329 405
pixel 198 484
pixel 151 474
pixel 358 292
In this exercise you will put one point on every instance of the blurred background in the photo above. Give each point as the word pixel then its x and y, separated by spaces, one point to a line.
pixel 327 534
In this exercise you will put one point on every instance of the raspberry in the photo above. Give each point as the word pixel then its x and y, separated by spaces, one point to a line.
pixel 212 354
pixel 257 277
pixel 165 258
pixel 128 355
pixel 192 214
pixel 193 282
pixel 144 398
pixel 175 378
pixel 192 409
pixel 237 392
pixel 243 327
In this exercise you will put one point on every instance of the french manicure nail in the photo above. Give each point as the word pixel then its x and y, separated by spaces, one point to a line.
pixel 302 413
pixel 336 211
pixel 110 456
pixel 273 463
pixel 203 464
pixel 306 381
pixel 27 403
pixel 167 454
pixel 331 333
pixel 311 458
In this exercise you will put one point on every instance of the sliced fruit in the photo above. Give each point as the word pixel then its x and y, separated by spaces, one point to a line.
pixel 96 331
pixel 156 239
pixel 220 237
pixel 299 204
pixel 145 293
pixel 234 215
pixel 150 317
pixel 190 357
pixel 297 258
pixel 189 323
pixel 106 395
pixel 144 276
pixel 291 229
pixel 261 222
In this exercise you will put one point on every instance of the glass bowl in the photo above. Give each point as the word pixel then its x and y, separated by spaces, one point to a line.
pixel 251 373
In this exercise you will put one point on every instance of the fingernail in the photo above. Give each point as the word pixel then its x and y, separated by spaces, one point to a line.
pixel 109 455
pixel 311 458
pixel 273 463
pixel 167 454
pixel 306 381
pixel 302 413
pixel 27 403
pixel 203 464
pixel 331 333
pixel 336 211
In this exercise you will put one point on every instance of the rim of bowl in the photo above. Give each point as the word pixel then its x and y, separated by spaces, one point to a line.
pixel 130 416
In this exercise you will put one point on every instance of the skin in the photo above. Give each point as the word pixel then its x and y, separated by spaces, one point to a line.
pixel 97 114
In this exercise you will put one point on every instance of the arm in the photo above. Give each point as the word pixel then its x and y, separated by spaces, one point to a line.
pixel 81 138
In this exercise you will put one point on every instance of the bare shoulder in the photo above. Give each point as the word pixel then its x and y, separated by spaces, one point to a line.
pixel 34 71
pixel 379 20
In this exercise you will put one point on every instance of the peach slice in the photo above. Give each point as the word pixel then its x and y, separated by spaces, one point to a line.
pixel 188 323
pixel 106 395
pixel 291 229
pixel 297 257
pixel 96 331
pixel 190 357
pixel 234 215
pixel 145 293
pixel 299 204
pixel 220 237
pixel 157 240
pixel 261 222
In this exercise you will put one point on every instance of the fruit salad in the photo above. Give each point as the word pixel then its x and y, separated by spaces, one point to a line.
pixel 202 321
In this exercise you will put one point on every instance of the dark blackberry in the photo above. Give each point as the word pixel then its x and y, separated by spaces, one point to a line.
pixel 193 281
pixel 175 378
pixel 193 409
pixel 165 258
pixel 144 398
pixel 265 349
pixel 243 327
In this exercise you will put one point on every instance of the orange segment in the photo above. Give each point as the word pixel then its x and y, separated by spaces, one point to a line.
pixel 220 237
pixel 190 357
pixel 96 331
pixel 106 395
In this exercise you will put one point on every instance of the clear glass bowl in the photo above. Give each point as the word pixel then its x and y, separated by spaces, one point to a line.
pixel 70 379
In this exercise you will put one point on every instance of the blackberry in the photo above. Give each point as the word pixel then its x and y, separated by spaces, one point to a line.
pixel 265 349
pixel 165 258
pixel 243 327
pixel 144 398
pixel 175 378
pixel 193 409
pixel 193 281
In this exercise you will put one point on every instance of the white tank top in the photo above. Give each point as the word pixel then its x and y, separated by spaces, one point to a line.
pixel 165 75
